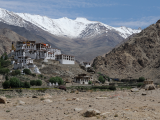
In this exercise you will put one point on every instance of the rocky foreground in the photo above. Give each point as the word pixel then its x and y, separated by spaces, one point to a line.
pixel 103 105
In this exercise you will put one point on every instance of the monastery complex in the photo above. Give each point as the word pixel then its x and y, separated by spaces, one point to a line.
pixel 27 51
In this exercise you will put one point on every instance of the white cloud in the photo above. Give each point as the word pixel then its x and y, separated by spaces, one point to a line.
pixel 143 22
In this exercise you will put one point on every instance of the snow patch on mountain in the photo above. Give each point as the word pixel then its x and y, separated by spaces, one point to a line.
pixel 80 27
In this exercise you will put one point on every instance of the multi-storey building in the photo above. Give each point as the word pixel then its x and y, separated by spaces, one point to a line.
pixel 27 51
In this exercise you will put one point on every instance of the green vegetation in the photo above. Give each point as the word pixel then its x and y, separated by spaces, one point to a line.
pixel 27 71
pixel 36 82
pixel 101 79
pixel 141 79
pixel 16 72
pixel 39 82
pixel 40 76
pixel 15 83
pixel 6 77
pixel 56 79
pixel 89 82
pixel 4 71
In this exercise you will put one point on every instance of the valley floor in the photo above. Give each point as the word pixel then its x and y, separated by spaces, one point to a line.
pixel 113 105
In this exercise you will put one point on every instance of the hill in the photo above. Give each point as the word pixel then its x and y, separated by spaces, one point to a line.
pixel 139 56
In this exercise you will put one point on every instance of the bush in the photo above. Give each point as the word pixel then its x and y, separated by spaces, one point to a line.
pixel 89 82
pixel 6 84
pixel 38 82
pixel 139 85
pixel 40 76
pixel 141 79
pixel 6 77
pixel 14 82
pixel 33 74
pixel 26 84
pixel 4 71
pixel 33 82
pixel 27 71
pixel 22 84
pixel 101 79
pixel 60 81
pixel 53 80
pixel 16 72
pixel 112 88
pixel 56 79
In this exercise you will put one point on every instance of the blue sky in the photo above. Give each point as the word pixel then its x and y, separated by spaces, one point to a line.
pixel 129 13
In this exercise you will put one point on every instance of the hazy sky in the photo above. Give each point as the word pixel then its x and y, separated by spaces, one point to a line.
pixel 129 13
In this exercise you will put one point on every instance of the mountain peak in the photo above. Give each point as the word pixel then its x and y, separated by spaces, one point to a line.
pixel 84 20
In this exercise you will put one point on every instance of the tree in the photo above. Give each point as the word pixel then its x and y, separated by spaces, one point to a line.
pixel 101 79
pixel 89 82
pixel 33 82
pixel 39 82
pixel 6 77
pixel 141 79
pixel 56 80
pixel 6 84
pixel 4 71
pixel 53 80
pixel 59 80
pixel 14 82
pixel 26 84
pixel 27 71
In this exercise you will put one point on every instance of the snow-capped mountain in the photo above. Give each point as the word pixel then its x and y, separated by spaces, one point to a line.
pixel 80 37
pixel 63 26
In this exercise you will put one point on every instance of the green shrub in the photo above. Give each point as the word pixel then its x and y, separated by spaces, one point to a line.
pixel 22 84
pixel 14 82
pixel 39 82
pixel 16 72
pixel 101 79
pixel 89 82
pixel 53 80
pixel 6 84
pixel 56 79
pixel 33 74
pixel 139 85
pixel 27 71
pixel 40 76
pixel 141 79
pixel 6 77
pixel 4 71
pixel 26 84
pixel 112 88
pixel 33 82
pixel 60 81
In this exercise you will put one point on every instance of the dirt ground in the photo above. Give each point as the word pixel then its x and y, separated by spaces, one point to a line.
pixel 113 105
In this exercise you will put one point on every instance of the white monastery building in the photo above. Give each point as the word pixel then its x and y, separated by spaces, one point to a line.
pixel 27 51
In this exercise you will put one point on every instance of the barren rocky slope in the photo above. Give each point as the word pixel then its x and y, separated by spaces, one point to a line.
pixel 6 38
pixel 139 56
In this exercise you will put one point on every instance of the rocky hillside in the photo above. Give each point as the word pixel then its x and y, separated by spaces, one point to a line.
pixel 139 56
pixel 6 38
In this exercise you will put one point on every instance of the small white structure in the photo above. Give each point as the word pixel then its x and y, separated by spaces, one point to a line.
pixel 82 79
pixel 86 64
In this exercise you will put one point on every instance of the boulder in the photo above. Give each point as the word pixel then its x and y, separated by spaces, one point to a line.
pixel 91 113
pixel 150 87
pixel 2 100
pixel 46 96
pixel 144 93
pixel 135 90
pixel 34 96
pixel 78 109
pixel 21 102
pixel 48 101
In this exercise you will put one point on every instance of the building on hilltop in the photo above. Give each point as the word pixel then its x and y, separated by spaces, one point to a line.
pixel 27 51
